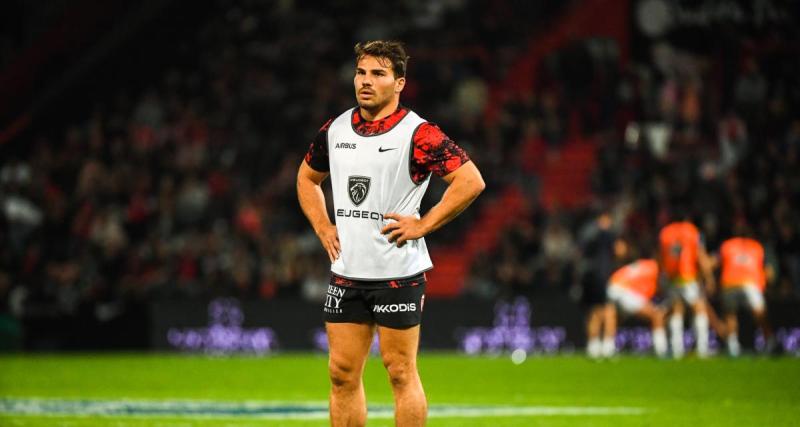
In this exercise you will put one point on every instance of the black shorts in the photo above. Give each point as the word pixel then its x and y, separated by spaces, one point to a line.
pixel 397 308
pixel 594 291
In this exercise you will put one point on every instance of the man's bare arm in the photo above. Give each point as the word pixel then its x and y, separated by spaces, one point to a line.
pixel 464 186
pixel 312 201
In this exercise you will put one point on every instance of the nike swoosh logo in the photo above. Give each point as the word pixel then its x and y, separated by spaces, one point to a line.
pixel 382 150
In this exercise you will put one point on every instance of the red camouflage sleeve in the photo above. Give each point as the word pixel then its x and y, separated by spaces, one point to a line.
pixel 317 155
pixel 434 152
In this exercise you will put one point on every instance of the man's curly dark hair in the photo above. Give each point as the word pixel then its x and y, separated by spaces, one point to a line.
pixel 393 51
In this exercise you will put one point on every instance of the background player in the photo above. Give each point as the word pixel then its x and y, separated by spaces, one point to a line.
pixel 631 289
pixel 598 242
pixel 682 256
pixel 743 278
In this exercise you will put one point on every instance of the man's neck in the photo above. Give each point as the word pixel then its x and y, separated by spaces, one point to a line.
pixel 388 109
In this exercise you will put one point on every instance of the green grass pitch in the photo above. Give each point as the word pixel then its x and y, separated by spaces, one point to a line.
pixel 752 391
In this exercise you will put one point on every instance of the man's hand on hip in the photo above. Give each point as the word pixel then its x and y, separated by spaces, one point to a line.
pixel 329 237
pixel 404 228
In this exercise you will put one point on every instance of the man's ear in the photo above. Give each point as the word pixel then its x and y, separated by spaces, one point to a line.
pixel 399 84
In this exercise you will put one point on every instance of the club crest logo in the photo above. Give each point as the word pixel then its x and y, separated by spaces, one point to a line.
pixel 358 187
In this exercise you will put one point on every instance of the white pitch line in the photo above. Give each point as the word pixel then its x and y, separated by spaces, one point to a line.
pixel 268 410
pixel 513 411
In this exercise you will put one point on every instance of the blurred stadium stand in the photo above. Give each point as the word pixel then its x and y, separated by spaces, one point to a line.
pixel 148 150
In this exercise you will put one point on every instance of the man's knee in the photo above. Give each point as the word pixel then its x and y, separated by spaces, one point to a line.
pixel 344 375
pixel 700 306
pixel 657 317
pixel 401 371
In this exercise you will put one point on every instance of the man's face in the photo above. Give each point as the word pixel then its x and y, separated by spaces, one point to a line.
pixel 375 83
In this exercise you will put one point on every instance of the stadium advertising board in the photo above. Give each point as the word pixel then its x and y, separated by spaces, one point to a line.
pixel 548 326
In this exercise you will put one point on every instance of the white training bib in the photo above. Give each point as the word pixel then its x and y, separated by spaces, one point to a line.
pixel 371 176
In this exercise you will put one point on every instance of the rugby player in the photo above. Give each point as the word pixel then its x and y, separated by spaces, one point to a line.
pixel 380 156
pixel 743 279
pixel 632 288
pixel 600 247
pixel 682 256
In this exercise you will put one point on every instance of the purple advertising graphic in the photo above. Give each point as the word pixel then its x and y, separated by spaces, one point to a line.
pixel 224 333
pixel 512 331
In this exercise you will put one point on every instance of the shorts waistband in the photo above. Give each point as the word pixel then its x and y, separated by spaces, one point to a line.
pixel 416 280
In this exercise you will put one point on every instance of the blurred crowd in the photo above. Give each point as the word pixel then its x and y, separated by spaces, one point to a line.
pixel 184 187
pixel 714 135
pixel 23 22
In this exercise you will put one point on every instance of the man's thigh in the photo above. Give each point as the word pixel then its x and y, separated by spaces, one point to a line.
pixel 732 299
pixel 686 292
pixel 628 301
pixel 348 344
pixel 754 297
pixel 648 311
pixel 399 345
